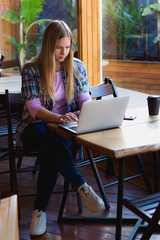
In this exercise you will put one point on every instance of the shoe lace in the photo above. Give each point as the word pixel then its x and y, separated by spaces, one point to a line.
pixel 86 191
pixel 38 216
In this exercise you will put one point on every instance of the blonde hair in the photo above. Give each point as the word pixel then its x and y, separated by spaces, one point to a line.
pixel 46 59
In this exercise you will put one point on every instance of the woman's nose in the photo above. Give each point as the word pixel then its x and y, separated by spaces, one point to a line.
pixel 63 51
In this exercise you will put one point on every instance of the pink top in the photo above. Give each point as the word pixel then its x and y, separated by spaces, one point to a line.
pixel 60 101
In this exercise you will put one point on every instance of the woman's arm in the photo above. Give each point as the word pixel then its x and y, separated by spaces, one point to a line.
pixel 36 110
pixel 49 116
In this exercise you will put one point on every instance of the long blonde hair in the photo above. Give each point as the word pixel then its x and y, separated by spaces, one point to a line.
pixel 46 59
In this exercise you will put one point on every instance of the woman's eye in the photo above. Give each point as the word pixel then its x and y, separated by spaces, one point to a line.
pixel 59 47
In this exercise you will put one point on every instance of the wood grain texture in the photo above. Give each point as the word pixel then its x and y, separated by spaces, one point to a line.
pixel 138 76
pixel 9 219
pixel 88 24
pixel 9 29
pixel 125 141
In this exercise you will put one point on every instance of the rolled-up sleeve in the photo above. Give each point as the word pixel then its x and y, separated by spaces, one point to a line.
pixel 33 106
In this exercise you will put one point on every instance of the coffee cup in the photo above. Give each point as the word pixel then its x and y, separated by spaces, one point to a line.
pixel 153 104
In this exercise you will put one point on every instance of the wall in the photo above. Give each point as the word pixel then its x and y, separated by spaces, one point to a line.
pixel 139 76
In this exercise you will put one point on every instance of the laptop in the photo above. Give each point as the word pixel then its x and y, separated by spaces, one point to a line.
pixel 99 115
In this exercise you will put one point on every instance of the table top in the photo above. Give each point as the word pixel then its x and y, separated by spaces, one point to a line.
pixel 124 141
pixel 12 83
pixel 133 137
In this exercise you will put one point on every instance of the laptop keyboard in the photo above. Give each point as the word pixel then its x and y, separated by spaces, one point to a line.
pixel 70 126
pixel 73 128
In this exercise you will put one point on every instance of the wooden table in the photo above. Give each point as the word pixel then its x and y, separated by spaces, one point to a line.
pixel 122 142
pixel 9 219
pixel 13 84
pixel 137 136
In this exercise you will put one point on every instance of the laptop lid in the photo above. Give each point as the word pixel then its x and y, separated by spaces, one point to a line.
pixel 99 115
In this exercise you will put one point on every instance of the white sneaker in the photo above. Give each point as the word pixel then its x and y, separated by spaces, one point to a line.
pixel 38 223
pixel 93 202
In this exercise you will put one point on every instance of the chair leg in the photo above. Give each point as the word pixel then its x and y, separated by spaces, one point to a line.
pixel 147 234
pixel 145 177
pixel 135 229
pixel 19 161
pixel 13 174
pixel 155 169
pixel 65 192
pixel 79 202
pixel 35 168
pixel 74 150
pixel 98 179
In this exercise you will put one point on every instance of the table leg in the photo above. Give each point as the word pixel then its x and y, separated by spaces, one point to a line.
pixel 119 199
pixel 97 177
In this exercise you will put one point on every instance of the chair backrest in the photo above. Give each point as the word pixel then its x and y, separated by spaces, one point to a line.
pixel 13 105
pixel 104 89
pixel 10 108
pixel 11 64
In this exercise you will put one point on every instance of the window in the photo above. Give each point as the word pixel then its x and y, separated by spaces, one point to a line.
pixel 130 48
pixel 65 10
pixel 24 38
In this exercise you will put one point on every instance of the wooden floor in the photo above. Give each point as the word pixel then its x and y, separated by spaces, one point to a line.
pixel 70 231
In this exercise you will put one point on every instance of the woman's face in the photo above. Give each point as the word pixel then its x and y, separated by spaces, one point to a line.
pixel 62 49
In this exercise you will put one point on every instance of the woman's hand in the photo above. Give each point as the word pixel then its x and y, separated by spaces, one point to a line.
pixel 49 116
pixel 69 117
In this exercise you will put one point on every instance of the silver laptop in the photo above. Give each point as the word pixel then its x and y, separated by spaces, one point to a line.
pixel 99 115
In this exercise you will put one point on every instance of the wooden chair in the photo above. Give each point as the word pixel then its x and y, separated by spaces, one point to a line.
pixel 4 132
pixel 148 211
pixel 12 113
pixel 6 64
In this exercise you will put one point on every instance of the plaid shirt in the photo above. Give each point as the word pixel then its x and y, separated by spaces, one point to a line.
pixel 30 90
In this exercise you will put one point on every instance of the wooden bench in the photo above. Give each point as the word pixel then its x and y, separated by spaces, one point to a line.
pixel 9 218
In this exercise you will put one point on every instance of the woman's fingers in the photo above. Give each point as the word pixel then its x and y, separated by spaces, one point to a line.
pixel 71 116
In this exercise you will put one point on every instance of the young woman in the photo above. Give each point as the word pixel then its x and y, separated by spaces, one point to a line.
pixel 54 86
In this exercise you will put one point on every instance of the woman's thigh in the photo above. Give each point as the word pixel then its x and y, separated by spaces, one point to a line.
pixel 36 136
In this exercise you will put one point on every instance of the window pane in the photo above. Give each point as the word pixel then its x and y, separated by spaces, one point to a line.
pixel 65 10
pixel 130 46
pixel 24 39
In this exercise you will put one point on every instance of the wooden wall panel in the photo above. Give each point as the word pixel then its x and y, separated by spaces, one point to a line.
pixel 8 28
pixel 88 12
pixel 134 75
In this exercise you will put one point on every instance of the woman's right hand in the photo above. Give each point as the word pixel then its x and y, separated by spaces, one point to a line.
pixel 49 116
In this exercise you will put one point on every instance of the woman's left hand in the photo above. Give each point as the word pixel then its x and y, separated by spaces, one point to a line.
pixel 70 116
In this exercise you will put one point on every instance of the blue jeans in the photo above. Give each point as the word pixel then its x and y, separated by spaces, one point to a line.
pixel 55 157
